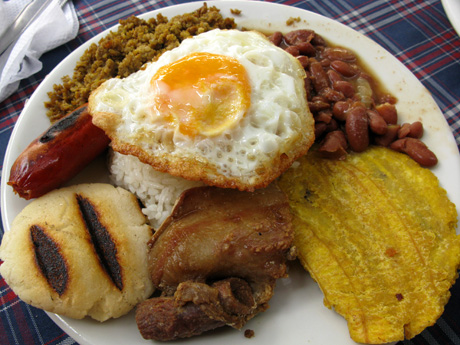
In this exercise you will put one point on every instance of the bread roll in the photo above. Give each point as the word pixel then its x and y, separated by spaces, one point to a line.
pixel 79 251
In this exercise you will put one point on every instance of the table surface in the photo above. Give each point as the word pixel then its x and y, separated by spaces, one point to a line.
pixel 417 32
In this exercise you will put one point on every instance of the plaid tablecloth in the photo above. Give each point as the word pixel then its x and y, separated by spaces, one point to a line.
pixel 417 32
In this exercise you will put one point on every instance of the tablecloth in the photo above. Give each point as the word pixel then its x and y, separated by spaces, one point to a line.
pixel 417 32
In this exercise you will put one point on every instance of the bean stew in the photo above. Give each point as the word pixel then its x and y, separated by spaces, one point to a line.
pixel 350 109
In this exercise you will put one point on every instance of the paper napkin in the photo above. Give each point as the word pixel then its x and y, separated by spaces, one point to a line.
pixel 56 25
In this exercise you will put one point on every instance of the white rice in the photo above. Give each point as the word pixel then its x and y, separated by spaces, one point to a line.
pixel 157 191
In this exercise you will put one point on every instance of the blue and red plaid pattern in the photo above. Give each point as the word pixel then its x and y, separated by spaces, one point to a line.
pixel 417 32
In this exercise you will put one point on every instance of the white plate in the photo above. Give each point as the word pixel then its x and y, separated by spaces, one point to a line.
pixel 452 8
pixel 297 314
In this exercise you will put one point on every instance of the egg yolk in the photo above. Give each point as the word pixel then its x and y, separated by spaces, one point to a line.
pixel 202 93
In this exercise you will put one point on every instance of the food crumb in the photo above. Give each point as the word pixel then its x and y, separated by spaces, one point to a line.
pixel 235 11
pixel 292 20
pixel 390 252
pixel 249 333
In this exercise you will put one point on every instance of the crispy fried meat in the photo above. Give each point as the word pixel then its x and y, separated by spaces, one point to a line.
pixel 216 259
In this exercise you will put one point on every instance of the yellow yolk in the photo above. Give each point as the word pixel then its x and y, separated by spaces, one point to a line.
pixel 202 93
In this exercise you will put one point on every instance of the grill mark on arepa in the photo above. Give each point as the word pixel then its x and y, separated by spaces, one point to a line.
pixel 103 244
pixel 52 264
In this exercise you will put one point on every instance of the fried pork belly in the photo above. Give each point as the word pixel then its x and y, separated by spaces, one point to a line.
pixel 216 259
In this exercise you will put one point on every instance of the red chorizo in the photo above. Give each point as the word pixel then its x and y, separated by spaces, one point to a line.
pixel 57 155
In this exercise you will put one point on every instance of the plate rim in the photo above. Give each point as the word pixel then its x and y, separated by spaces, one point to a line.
pixel 184 7
pixel 452 9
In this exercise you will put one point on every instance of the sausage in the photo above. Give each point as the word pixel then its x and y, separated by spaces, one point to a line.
pixel 57 155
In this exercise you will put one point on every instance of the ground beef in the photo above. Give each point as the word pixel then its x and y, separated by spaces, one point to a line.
pixel 126 50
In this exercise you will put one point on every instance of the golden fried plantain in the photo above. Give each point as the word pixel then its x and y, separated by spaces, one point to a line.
pixel 377 233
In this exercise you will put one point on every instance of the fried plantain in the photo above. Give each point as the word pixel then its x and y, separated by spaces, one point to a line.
pixel 378 234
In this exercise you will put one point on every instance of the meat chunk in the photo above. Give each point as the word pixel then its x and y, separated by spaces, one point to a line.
pixel 215 233
pixel 216 259
pixel 196 308
pixel 163 318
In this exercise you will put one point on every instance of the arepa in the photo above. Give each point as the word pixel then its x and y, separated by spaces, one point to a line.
pixel 79 251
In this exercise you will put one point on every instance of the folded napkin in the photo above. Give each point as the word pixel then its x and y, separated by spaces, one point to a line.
pixel 53 27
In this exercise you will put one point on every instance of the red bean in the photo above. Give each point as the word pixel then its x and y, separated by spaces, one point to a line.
pixel 308 87
pixel 306 48
pixel 304 61
pixel 320 129
pixel 324 116
pixel 356 128
pixel 416 130
pixel 319 77
pixel 334 145
pixel 344 68
pixel 299 36
pixel 390 136
pixel 333 76
pixel 417 150
pixel 276 38
pixel 332 95
pixel 345 87
pixel 413 130
pixel 404 130
pixel 376 122
pixel 332 126
pixel 339 110
pixel 388 112
pixel 338 53
pixel 318 41
pixel 293 50
pixel 386 98
pixel 326 63
pixel 318 105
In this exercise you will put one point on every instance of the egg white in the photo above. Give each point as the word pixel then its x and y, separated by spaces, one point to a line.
pixel 277 120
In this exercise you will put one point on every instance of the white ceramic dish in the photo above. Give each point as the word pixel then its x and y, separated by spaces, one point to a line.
pixel 297 314
pixel 452 8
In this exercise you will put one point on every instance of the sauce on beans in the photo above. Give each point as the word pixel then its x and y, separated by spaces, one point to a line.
pixel 351 109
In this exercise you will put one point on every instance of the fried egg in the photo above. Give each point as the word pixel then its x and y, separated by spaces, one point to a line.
pixel 226 107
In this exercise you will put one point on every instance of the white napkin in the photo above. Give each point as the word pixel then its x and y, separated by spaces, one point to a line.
pixel 55 26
